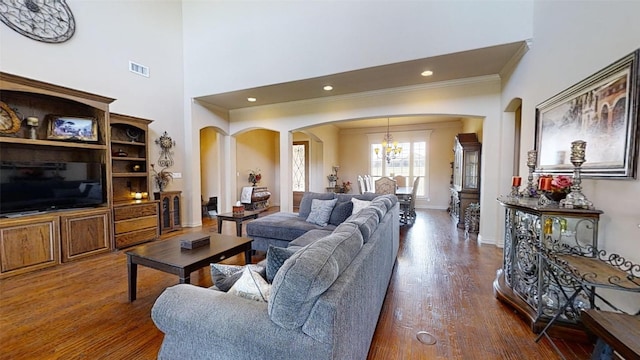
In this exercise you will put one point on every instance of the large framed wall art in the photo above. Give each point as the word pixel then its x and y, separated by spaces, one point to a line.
pixel 601 110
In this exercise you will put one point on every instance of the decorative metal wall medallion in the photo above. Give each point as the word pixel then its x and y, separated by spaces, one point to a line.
pixel 49 21
pixel 166 155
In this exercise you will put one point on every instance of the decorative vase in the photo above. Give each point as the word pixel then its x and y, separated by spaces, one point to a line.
pixel 557 195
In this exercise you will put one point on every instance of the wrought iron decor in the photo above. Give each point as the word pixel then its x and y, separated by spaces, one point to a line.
pixel 48 21
pixel 166 155
pixel 601 110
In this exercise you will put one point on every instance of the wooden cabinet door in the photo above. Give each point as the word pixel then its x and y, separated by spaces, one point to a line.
pixel 28 244
pixel 85 234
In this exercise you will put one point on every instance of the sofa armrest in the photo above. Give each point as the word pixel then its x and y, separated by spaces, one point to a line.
pixel 197 320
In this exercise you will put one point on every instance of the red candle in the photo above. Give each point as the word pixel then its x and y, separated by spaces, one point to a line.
pixel 516 181
pixel 544 184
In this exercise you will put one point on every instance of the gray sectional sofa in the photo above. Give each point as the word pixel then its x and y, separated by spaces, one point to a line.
pixel 324 302
pixel 279 229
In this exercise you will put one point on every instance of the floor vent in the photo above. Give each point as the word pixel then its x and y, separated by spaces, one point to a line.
pixel 426 338
pixel 139 69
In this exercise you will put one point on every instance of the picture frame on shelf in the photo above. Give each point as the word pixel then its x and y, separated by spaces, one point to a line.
pixel 601 110
pixel 72 128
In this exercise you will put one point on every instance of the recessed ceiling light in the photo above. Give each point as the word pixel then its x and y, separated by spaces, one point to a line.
pixel 427 73
pixel 328 87
pixel 251 99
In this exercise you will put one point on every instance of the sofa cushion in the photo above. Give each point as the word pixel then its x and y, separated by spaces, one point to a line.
pixel 359 205
pixel 307 198
pixel 251 285
pixel 366 220
pixel 276 256
pixel 309 273
pixel 341 212
pixel 387 200
pixel 348 197
pixel 321 211
pixel 308 238
pixel 281 226
pixel 379 207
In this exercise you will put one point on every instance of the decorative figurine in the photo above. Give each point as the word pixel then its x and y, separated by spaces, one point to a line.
pixel 575 199
pixel 531 190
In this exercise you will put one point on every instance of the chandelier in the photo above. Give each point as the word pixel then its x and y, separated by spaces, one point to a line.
pixel 390 148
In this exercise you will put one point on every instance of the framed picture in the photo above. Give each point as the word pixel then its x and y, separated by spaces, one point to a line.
pixel 72 128
pixel 601 110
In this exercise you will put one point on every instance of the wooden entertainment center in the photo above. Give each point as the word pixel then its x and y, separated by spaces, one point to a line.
pixel 33 240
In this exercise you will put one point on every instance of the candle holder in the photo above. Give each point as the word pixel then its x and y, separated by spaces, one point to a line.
pixel 515 192
pixel 531 190
pixel 32 123
pixel 576 199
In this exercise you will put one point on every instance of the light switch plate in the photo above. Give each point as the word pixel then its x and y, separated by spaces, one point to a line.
pixel 177 175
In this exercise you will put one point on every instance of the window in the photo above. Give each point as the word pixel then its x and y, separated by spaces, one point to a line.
pixel 299 167
pixel 412 161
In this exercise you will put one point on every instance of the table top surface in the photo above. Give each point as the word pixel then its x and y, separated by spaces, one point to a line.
pixel 404 190
pixel 622 330
pixel 169 251
pixel 246 215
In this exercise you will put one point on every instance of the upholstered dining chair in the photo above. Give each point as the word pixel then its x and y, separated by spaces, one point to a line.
pixel 400 180
pixel 361 186
pixel 385 185
pixel 368 184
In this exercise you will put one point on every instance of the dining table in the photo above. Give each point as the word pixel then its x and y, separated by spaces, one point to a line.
pixel 404 191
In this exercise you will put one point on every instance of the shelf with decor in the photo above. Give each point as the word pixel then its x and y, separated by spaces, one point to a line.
pixel 135 214
pixel 54 174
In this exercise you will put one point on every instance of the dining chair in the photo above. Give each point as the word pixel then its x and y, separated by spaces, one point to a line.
pixel 385 185
pixel 361 186
pixel 408 205
pixel 401 181
pixel 368 184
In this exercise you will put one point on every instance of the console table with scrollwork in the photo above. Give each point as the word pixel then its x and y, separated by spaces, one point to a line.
pixel 523 283
pixel 552 266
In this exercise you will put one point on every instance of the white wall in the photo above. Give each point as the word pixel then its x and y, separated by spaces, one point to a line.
pixel 231 45
pixel 570 43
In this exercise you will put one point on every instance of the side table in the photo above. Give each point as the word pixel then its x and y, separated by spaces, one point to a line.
pixel 237 218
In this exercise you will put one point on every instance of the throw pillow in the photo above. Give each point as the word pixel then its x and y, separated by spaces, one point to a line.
pixel 225 276
pixel 359 205
pixel 251 286
pixel 276 256
pixel 341 212
pixel 307 198
pixel 321 211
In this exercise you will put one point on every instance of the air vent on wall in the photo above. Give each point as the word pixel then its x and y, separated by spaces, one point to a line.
pixel 138 69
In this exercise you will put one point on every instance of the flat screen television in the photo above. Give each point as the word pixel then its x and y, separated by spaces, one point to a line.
pixel 27 186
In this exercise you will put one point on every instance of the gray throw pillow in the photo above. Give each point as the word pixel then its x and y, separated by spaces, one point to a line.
pixel 276 256
pixel 307 198
pixel 321 211
pixel 225 276
pixel 341 212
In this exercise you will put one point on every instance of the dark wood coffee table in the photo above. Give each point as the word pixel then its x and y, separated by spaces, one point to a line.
pixel 237 218
pixel 168 256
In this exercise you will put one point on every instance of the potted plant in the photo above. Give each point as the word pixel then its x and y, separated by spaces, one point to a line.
pixel 161 178
pixel 255 176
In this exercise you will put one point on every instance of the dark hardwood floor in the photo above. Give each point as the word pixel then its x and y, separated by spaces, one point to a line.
pixel 442 284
